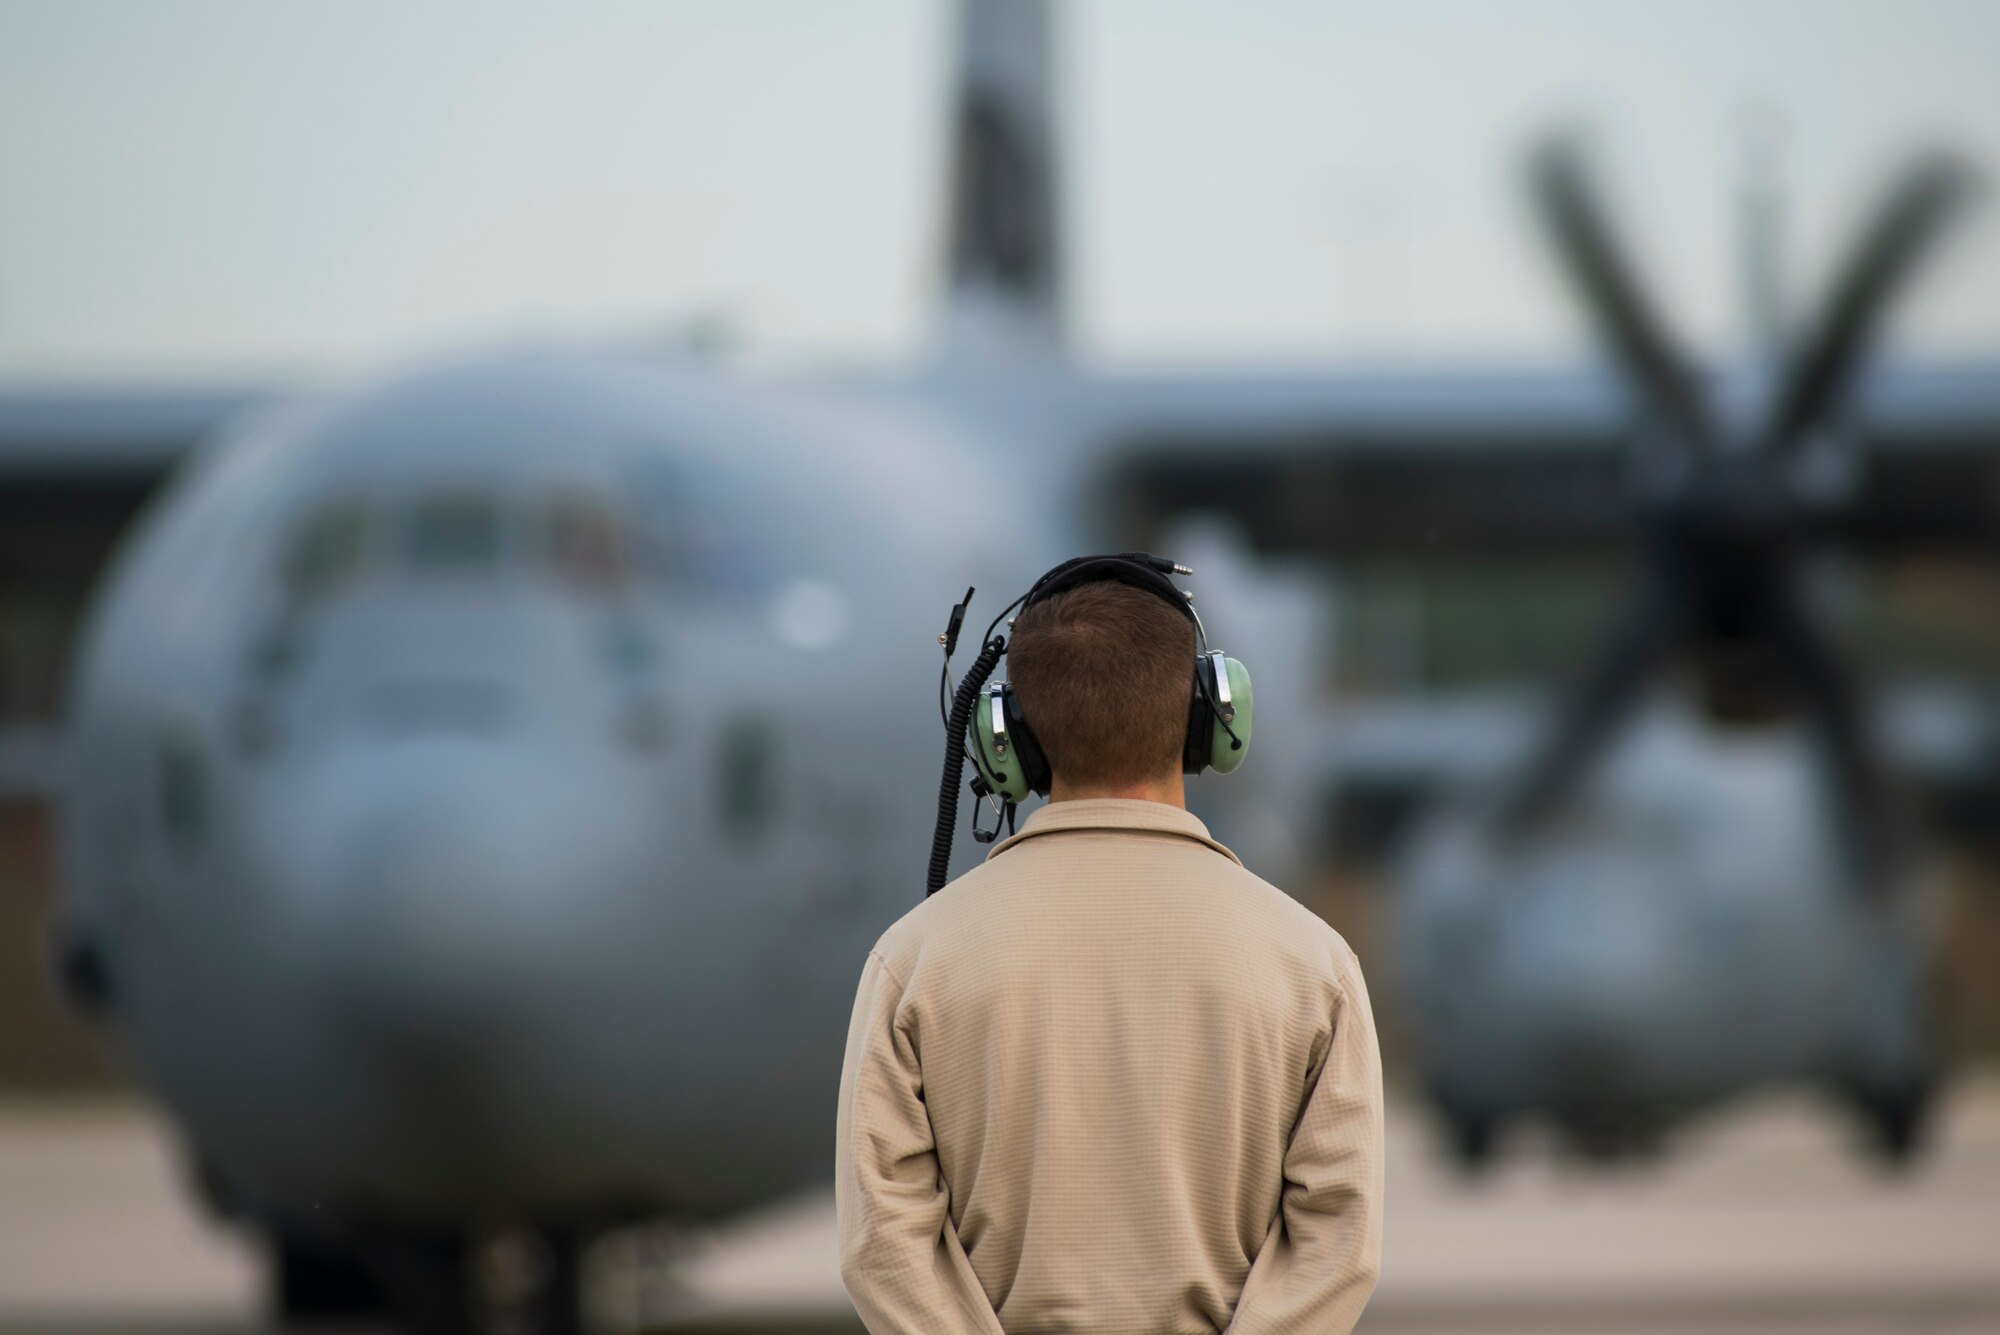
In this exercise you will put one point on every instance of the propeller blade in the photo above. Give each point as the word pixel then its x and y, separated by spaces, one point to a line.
pixel 1875 820
pixel 1616 674
pixel 1625 317
pixel 1909 221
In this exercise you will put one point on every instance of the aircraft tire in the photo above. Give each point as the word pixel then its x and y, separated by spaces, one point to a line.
pixel 1896 1120
pixel 557 1307
pixel 313 1280
pixel 1470 1135
pixel 535 1277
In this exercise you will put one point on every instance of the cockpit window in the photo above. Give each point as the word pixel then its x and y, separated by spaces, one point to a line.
pixel 326 551
pixel 586 545
pixel 703 531
pixel 459 533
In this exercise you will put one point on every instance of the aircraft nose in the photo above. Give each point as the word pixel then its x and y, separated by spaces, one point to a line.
pixel 436 924
pixel 450 887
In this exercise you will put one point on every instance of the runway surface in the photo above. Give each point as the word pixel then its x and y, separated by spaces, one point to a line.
pixel 1760 1219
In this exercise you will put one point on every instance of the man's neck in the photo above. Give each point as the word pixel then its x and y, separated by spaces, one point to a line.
pixel 1168 789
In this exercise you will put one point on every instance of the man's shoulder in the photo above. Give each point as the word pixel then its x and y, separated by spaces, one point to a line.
pixel 978 901
pixel 902 941
pixel 1291 921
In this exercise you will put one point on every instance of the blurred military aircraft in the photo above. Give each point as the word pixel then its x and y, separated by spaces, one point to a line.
pixel 480 785
pixel 1735 903
pixel 1733 912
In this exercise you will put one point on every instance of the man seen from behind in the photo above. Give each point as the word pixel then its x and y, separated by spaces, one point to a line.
pixel 1109 1080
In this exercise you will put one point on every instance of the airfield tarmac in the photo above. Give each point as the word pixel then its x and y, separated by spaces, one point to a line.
pixel 1758 1219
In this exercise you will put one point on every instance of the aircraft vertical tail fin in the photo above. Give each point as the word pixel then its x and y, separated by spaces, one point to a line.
pixel 1003 250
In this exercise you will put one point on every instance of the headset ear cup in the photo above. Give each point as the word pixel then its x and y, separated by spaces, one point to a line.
pixel 1194 747
pixel 1034 765
pixel 1229 746
pixel 1004 767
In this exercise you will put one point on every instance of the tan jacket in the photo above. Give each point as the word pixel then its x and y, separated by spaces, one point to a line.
pixel 1110 1081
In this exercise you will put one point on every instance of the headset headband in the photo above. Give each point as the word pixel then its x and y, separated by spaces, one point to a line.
pixel 1137 569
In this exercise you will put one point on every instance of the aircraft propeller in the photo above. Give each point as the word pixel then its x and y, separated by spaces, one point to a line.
pixel 1726 519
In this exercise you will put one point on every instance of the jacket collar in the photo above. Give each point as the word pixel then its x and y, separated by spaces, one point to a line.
pixel 1111 813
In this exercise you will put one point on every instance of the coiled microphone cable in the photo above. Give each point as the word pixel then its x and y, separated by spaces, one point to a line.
pixel 962 701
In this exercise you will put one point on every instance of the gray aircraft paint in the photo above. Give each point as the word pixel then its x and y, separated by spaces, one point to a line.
pixel 497 899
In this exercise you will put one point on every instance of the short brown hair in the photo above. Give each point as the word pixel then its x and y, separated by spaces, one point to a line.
pixel 1104 673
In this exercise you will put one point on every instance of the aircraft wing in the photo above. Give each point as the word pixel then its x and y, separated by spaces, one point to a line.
pixel 101 433
pixel 1420 466
pixel 75 466
pixel 1421 469
pixel 1396 754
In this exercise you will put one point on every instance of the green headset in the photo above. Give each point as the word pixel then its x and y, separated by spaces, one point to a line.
pixel 986 721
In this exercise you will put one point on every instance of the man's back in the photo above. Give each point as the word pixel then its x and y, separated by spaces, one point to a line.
pixel 1152 1084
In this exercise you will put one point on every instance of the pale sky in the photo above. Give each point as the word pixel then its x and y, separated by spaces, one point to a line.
pixel 244 188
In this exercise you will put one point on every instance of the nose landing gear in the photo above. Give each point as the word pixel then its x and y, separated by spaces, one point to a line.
pixel 515 1281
